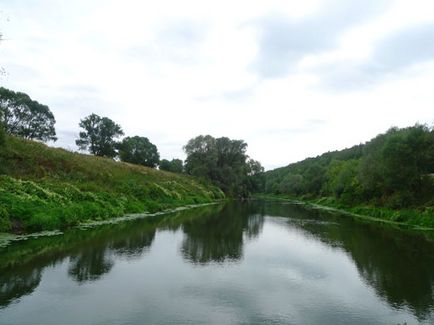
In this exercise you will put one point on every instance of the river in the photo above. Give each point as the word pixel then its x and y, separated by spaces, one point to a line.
pixel 235 263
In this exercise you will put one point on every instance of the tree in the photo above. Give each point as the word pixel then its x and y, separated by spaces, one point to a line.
pixel 223 161
pixel 99 136
pixel 139 150
pixel 255 176
pixel 24 117
pixel 174 165
pixel 2 136
pixel 201 156
pixel 396 166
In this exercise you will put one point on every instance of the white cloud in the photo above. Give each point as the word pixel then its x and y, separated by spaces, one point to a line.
pixel 171 70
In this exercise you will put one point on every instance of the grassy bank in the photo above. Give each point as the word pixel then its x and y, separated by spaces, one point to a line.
pixel 422 219
pixel 43 188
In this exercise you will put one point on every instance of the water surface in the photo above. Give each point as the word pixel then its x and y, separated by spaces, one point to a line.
pixel 238 263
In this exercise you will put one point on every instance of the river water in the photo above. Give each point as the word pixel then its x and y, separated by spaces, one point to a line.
pixel 235 263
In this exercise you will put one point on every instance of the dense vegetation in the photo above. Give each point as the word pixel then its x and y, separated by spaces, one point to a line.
pixel 174 165
pixel 47 188
pixel 224 162
pixel 393 171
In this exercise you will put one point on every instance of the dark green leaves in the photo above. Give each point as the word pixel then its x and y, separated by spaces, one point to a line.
pixel 174 165
pixel 139 150
pixel 99 135
pixel 223 161
pixel 24 117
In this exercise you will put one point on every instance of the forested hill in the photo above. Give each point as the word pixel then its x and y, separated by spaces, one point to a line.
pixel 44 188
pixel 394 170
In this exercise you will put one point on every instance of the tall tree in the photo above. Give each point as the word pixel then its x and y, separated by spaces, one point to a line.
pixel 140 151
pixel 99 136
pixel 24 117
pixel 223 161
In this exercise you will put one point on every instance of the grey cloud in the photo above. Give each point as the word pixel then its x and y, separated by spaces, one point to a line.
pixel 175 42
pixel 405 48
pixel 284 42
pixel 306 126
pixel 392 55
pixel 182 33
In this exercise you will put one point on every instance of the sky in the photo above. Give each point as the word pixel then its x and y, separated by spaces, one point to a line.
pixel 293 79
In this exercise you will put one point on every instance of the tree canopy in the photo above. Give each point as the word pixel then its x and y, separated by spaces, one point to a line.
pixel 395 169
pixel 139 150
pixel 24 117
pixel 99 136
pixel 174 165
pixel 223 161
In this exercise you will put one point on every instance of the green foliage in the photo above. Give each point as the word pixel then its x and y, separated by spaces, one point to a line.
pixel 173 166
pixel 24 117
pixel 393 170
pixel 395 166
pixel 43 188
pixel 2 136
pixel 224 162
pixel 139 150
pixel 5 224
pixel 99 136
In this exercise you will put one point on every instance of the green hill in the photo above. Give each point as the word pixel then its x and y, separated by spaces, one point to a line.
pixel 388 177
pixel 44 188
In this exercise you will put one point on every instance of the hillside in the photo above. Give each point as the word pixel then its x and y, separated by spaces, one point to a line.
pixel 45 188
pixel 388 177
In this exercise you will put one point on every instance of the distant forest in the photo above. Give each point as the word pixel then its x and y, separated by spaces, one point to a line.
pixel 394 169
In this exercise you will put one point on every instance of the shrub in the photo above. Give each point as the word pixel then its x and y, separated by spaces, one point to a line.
pixel 2 136
pixel 5 224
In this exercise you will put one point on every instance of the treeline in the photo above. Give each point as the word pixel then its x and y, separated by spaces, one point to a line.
pixel 222 161
pixel 394 169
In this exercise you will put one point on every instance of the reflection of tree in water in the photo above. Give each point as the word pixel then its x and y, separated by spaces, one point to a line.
pixel 219 237
pixel 134 246
pixel 399 265
pixel 90 265
pixel 90 255
pixel 14 285
pixel 92 262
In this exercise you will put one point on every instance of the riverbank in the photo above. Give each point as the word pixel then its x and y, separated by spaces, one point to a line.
pixel 8 238
pixel 44 188
pixel 414 219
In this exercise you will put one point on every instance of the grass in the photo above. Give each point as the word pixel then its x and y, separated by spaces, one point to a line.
pixel 44 188
pixel 421 219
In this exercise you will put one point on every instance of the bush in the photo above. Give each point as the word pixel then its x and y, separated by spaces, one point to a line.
pixel 5 224
pixel 2 136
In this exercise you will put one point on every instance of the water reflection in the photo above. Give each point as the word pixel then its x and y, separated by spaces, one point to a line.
pixel 91 262
pixel 219 238
pixel 13 285
pixel 399 265
pixel 91 253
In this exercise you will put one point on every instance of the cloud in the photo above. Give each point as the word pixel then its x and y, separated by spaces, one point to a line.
pixel 284 42
pixel 391 56
pixel 237 95
pixel 175 42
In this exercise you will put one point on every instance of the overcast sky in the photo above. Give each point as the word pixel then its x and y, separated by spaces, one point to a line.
pixel 292 78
